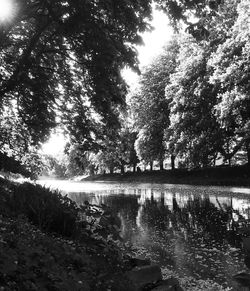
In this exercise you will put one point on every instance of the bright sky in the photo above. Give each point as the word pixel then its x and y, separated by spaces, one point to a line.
pixel 154 42
pixel 55 145
pixel 6 10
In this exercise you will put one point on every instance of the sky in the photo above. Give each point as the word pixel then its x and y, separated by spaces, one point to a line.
pixel 55 145
pixel 153 44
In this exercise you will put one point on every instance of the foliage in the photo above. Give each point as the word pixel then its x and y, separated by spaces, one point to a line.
pixel 54 166
pixel 204 114
pixel 49 242
pixel 9 164
pixel 52 212
pixel 78 161
pixel 197 15
pixel 31 260
pixel 114 151
pixel 61 63
pixel 150 107
pixel 59 55
pixel 193 132
pixel 230 63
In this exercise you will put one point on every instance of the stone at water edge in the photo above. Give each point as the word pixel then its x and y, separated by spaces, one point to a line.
pixel 144 275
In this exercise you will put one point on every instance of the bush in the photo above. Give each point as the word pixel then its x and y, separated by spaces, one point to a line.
pixel 54 213
pixel 48 210
pixel 82 256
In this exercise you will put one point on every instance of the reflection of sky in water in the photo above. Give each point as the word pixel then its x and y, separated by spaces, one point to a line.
pixel 191 230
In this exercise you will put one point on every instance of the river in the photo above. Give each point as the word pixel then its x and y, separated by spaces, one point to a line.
pixel 190 231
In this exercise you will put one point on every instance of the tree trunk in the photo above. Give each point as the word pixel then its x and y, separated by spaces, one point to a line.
pixel 172 162
pixel 92 171
pixel 122 169
pixel 134 168
pixel 248 153
pixel 214 160
pixel 151 166
pixel 111 170
pixel 161 165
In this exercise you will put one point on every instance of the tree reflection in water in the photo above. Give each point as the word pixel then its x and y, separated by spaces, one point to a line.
pixel 193 235
pixel 199 214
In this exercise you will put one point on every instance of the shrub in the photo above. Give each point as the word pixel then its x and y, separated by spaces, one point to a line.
pixel 52 212
pixel 47 209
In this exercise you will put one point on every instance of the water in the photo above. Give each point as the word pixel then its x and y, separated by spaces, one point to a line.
pixel 191 231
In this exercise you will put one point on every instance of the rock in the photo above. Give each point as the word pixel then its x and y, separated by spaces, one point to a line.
pixel 144 275
pixel 170 284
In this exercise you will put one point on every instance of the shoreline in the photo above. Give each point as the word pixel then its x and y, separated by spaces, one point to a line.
pixel 225 176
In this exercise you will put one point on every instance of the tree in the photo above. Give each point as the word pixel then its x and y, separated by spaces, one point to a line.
pixel 55 53
pixel 196 15
pixel 52 51
pixel 126 147
pixel 63 56
pixel 16 142
pixel 231 73
pixel 54 166
pixel 77 160
pixel 150 107
pixel 193 131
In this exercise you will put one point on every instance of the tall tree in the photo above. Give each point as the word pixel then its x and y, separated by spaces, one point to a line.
pixel 150 107
pixel 55 52
pixel 231 73
pixel 193 131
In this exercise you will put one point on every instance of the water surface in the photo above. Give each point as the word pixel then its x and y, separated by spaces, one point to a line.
pixel 192 231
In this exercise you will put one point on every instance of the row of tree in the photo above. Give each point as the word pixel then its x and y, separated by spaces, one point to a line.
pixel 61 64
pixel 192 102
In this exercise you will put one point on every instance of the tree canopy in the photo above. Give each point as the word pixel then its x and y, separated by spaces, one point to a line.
pixel 206 113
pixel 55 52
pixel 61 63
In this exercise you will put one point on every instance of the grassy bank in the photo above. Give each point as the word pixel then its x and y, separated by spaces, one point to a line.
pixel 49 243
pixel 219 176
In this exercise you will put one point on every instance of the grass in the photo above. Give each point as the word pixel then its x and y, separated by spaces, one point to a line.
pixel 50 243
pixel 218 176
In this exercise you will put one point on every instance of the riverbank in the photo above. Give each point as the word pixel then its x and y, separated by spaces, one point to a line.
pixel 48 242
pixel 220 176
pixel 45 245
